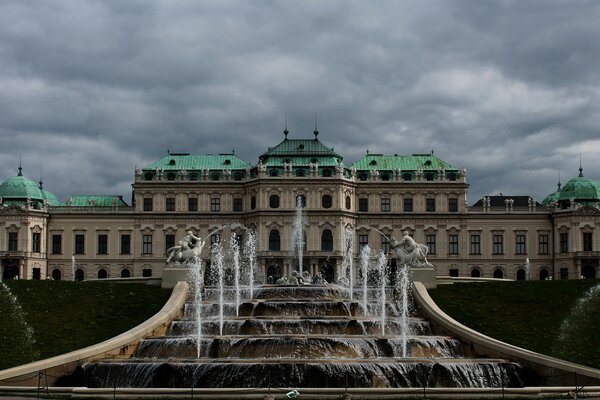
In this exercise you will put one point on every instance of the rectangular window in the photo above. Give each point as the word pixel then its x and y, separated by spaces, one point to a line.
pixel 13 241
pixel 56 244
pixel 215 204
pixel 497 244
pixel 520 244
pixel 385 244
pixel 215 239
pixel 452 204
pixel 169 241
pixel 79 244
pixel 587 241
pixel 453 244
pixel 363 204
pixel 475 244
pixel 564 242
pixel 170 204
pixel 148 206
pixel 126 244
pixel 103 244
pixel 36 241
pixel 147 244
pixel 408 204
pixel 386 204
pixel 543 243
pixel 430 242
pixel 430 205
pixel 363 240
pixel 237 204
pixel 192 204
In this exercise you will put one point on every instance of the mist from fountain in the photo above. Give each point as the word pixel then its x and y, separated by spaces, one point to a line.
pixel 365 258
pixel 381 264
pixel 251 257
pixel 348 261
pixel 234 250
pixel 404 288
pixel 73 267
pixel 298 235
pixel 219 266
pixel 195 275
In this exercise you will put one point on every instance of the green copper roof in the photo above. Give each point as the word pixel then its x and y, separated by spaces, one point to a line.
pixel 278 161
pixel 50 198
pixel 20 187
pixel 94 201
pixel 427 162
pixel 551 199
pixel 198 162
pixel 300 148
pixel 580 189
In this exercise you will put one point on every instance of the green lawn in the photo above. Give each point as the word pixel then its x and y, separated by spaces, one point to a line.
pixel 548 317
pixel 64 316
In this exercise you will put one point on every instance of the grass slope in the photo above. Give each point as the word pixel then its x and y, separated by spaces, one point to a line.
pixel 66 316
pixel 556 318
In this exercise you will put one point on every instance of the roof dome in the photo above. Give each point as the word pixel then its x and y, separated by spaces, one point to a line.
pixel 20 188
pixel 551 199
pixel 50 198
pixel 580 189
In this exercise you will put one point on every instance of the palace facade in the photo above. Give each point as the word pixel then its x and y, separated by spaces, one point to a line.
pixel 41 236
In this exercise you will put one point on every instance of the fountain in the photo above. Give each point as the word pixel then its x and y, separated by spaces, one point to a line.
pixel 298 235
pixel 300 335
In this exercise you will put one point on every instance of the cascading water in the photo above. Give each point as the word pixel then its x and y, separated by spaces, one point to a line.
pixel 365 257
pixel 73 267
pixel 299 233
pixel 404 288
pixel 251 256
pixel 22 340
pixel 218 265
pixel 234 250
pixel 195 276
pixel 349 260
pixel 381 264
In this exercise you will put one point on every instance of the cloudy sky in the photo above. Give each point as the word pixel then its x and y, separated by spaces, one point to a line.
pixel 508 89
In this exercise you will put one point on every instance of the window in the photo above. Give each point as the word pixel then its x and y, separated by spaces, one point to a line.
pixel 429 176
pixel 407 176
pixel 326 201
pixel 36 273
pixel 543 243
pixel 148 206
pixel 430 205
pixel 56 244
pixel 169 241
pixel 170 205
pixel 126 244
pixel 102 273
pixel 56 274
pixel 363 240
pixel 521 244
pixel 498 273
pixel 79 275
pixel 521 274
pixel 587 241
pixel 192 204
pixel 326 173
pixel 475 244
pixel 385 204
pixel 408 204
pixel 237 204
pixel 564 273
pixel 253 202
pixel 564 242
pixel 430 242
pixel 274 201
pixel 79 244
pixel 475 273
pixel 497 244
pixel 102 244
pixel 301 200
pixel 327 240
pixel 147 244
pixel 348 203
pixel 13 241
pixel 36 240
pixel 452 204
pixel 273 172
pixel 453 244
pixel 363 204
pixel 453 272
pixel 544 274
pixel 125 273
pixel 215 204
pixel 300 172
pixel 274 240
pixel 147 272
pixel 385 244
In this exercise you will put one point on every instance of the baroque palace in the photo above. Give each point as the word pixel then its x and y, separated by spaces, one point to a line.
pixel 103 237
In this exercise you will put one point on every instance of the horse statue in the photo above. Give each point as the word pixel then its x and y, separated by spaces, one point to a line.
pixel 409 252
pixel 189 249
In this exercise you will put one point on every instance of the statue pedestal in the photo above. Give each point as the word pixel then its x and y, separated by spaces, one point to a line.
pixel 425 275
pixel 173 274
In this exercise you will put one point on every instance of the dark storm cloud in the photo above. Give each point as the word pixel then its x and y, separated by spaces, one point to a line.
pixel 507 89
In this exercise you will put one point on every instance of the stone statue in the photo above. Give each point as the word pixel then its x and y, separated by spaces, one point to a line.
pixel 188 249
pixel 409 252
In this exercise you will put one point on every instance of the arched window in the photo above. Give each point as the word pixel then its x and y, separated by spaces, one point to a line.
pixel 407 176
pixel 498 274
pixel 544 274
pixel 475 273
pixel 79 275
pixel 56 274
pixel 326 201
pixel 327 240
pixel 125 273
pixel 147 272
pixel 521 274
pixel 274 201
pixel 215 176
pixel 299 172
pixel 429 176
pixel 348 203
pixel 301 200
pixel 171 176
pixel 274 240
pixel 193 176
pixel 102 274
pixel 253 203
pixel 453 272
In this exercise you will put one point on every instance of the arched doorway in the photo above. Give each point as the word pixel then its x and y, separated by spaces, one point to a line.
pixel 79 275
pixel 544 274
pixel 102 274
pixel 588 272
pixel 475 273
pixel 453 272
pixel 273 273
pixel 125 273
pixel 56 274
pixel 521 274
pixel 328 273
pixel 10 268
pixel 498 273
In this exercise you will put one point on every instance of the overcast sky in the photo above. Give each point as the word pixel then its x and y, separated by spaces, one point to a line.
pixel 509 90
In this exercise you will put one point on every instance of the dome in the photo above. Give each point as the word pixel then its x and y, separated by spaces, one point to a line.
pixel 20 188
pixel 50 198
pixel 551 199
pixel 581 190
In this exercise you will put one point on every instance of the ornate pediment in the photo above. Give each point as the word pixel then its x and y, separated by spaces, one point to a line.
pixel 12 210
